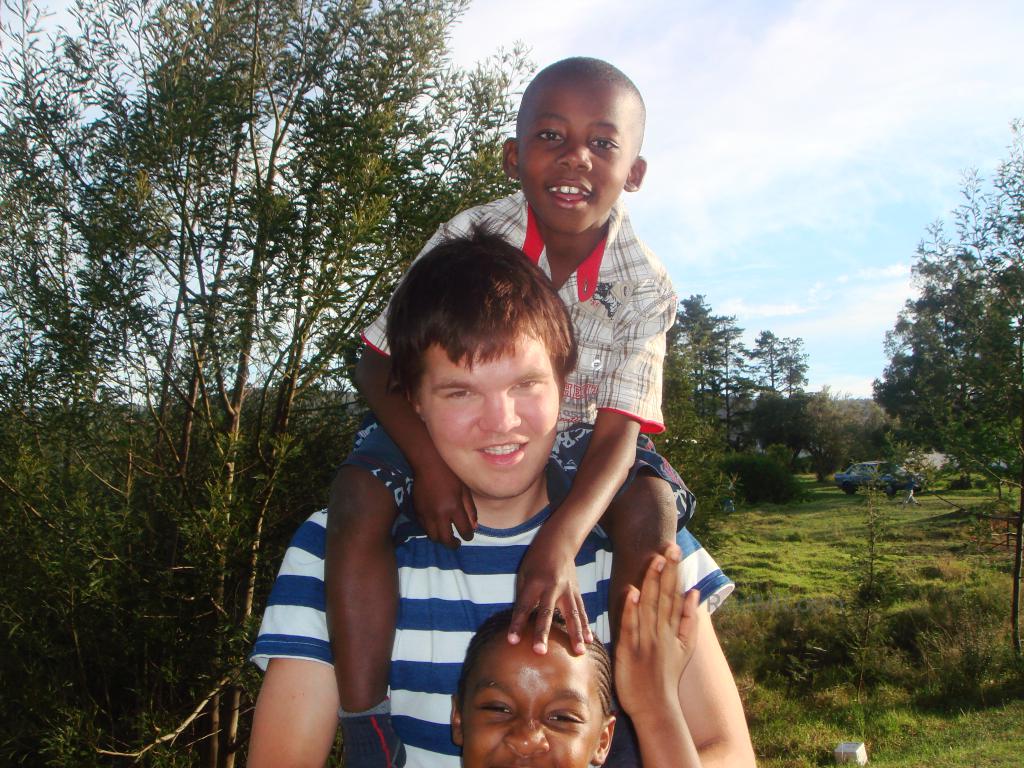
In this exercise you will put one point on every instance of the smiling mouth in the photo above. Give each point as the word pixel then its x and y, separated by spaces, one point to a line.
pixel 569 189
pixel 502 450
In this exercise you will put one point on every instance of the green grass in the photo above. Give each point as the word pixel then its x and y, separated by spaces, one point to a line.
pixel 940 684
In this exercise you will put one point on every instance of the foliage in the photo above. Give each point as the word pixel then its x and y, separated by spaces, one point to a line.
pixel 715 363
pixel 779 366
pixel 200 206
pixel 761 479
pixel 956 372
pixel 691 443
pixel 842 430
pixel 940 678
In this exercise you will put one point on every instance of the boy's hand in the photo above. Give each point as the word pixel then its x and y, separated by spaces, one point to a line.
pixel 546 581
pixel 440 501
pixel 657 637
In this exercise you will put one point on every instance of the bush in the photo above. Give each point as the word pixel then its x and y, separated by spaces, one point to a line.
pixel 961 483
pixel 761 479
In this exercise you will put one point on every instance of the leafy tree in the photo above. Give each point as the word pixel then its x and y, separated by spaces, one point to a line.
pixel 692 443
pixel 792 365
pixel 842 430
pixel 715 362
pixel 778 420
pixel 956 372
pixel 778 365
pixel 200 206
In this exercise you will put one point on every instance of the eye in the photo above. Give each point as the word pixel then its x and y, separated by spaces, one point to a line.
pixel 567 717
pixel 606 144
pixel 548 135
pixel 528 384
pixel 456 394
pixel 495 709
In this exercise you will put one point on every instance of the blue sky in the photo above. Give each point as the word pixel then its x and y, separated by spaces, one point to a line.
pixel 798 150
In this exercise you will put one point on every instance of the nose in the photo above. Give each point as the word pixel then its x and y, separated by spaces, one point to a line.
pixel 576 155
pixel 499 414
pixel 527 739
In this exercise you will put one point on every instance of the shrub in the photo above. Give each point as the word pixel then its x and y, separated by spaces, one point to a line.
pixel 961 483
pixel 761 479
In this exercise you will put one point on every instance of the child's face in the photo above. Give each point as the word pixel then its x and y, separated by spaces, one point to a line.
pixel 577 149
pixel 493 422
pixel 526 709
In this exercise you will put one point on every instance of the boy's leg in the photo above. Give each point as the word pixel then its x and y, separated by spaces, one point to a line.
pixel 361 579
pixel 640 522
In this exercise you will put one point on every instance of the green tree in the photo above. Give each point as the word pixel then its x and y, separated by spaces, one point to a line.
pixel 778 365
pixel 715 363
pixel 200 206
pixel 956 374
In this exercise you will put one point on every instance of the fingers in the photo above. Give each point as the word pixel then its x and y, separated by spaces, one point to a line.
pixel 542 626
pixel 576 624
pixel 464 523
pixel 686 629
pixel 629 631
pixel 670 601
pixel 572 609
pixel 650 596
pixel 442 532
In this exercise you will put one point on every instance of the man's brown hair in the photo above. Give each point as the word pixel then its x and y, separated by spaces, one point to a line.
pixel 475 297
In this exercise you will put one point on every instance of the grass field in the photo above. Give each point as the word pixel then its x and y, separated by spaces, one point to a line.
pixel 907 650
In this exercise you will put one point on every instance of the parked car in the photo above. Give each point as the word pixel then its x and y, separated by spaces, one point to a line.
pixel 881 475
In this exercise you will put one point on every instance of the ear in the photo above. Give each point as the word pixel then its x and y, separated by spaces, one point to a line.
pixel 510 158
pixel 604 742
pixel 414 401
pixel 456 722
pixel 636 174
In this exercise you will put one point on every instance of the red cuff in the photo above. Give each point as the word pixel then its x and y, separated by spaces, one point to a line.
pixel 646 426
pixel 373 346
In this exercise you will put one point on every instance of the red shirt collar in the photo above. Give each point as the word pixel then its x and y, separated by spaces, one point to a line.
pixel 586 272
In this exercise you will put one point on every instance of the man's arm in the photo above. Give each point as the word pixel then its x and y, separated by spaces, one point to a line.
pixel 547 576
pixel 440 498
pixel 711 704
pixel 296 715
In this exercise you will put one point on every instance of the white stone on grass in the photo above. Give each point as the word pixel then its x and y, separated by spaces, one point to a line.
pixel 852 752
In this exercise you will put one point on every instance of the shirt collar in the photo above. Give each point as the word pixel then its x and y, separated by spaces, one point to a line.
pixel 586 272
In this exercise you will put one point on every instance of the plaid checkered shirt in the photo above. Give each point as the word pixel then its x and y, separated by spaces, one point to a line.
pixel 621 301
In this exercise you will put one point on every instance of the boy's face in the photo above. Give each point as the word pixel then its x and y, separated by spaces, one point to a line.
pixel 577 148
pixel 527 709
pixel 493 423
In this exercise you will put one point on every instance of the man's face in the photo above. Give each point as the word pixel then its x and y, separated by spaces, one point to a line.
pixel 493 423
pixel 576 151
pixel 527 709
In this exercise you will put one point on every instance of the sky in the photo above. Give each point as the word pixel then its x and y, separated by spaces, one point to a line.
pixel 797 150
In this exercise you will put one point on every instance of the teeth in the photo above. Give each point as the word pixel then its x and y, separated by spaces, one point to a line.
pixel 502 450
pixel 567 190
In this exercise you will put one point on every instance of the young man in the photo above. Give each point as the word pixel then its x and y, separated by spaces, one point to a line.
pixel 485 378
pixel 577 148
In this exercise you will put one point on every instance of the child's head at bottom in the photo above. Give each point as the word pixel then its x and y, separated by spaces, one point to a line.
pixel 514 705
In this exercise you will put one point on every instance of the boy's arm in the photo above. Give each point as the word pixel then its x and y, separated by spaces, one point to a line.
pixel 439 497
pixel 547 575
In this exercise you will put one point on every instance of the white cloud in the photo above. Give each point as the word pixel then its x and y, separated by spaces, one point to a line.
pixel 741 307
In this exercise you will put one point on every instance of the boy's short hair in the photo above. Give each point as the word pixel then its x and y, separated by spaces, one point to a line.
pixel 495 629
pixel 475 297
pixel 583 68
